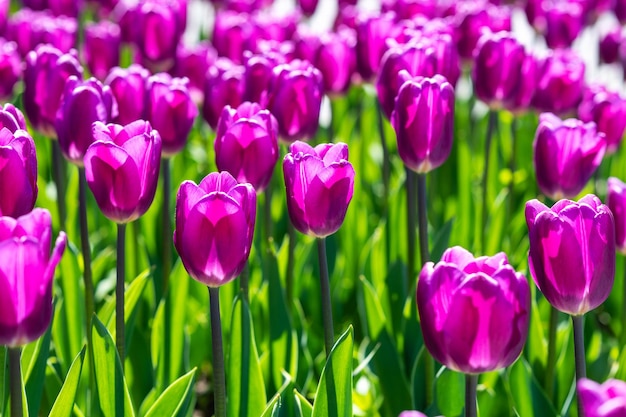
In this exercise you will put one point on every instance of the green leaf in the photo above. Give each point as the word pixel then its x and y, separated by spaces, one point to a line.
pixel 246 393
pixel 4 379
pixel 334 392
pixel 529 399
pixel 107 368
pixel 176 399
pixel 34 358
pixel 304 406
pixel 65 400
pixel 450 389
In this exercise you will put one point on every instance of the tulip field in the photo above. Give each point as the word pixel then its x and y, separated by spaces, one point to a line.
pixel 413 211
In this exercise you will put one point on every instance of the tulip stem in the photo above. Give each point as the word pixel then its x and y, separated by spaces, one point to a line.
pixel 219 376
pixel 58 175
pixel 15 372
pixel 491 126
pixel 411 211
pixel 167 226
pixel 244 279
pixel 383 143
pixel 554 321
pixel 327 306
pixel 471 384
pixel 291 252
pixel 579 346
pixel 623 334
pixel 512 167
pixel 119 292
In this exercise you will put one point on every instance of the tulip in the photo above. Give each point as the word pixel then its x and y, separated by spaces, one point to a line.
pixel 60 31
pixel 474 312
pixel 609 46
pixel 602 400
pixel 371 32
pixel 319 183
pixel 608 110
pixel 473 18
pixel 84 102
pixel 122 168
pixel 4 14
pixel 572 252
pixel 616 200
pixel 564 22
pixel 258 75
pixel 20 30
pixel 411 414
pixel 336 60
pixel 619 8
pixel 423 119
pixel 68 8
pixel 214 227
pixel 28 274
pixel 160 28
pixel 561 81
pixel 272 27
pixel 170 110
pixel 128 86
pixel 45 74
pixel 224 85
pixel 102 47
pixel 295 99
pixel 12 118
pixel 10 68
pixel 233 33
pixel 246 144
pixel 307 6
pixel 193 62
pixel 566 154
pixel 18 172
pixel 521 97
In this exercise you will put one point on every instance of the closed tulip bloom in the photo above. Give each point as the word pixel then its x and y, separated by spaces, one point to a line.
pixel 12 118
pixel 170 110
pixel 128 86
pixel 608 110
pixel 122 168
pixel 423 119
pixel 336 60
pixel 159 31
pixel 566 154
pixel 561 82
pixel 193 62
pixel 18 172
pixel 224 86
pixel 4 14
pixel 84 102
pixel 46 72
pixel 307 6
pixel 616 200
pixel 20 30
pixel 10 68
pixel 474 312
pixel 233 34
pixel 521 97
pixel 473 19
pixel 564 22
pixel 319 183
pixel 258 74
pixel 102 47
pixel 69 8
pixel 602 400
pixel 295 99
pixel 572 252
pixel 214 227
pixel 619 8
pixel 609 45
pixel 60 31
pixel 371 32
pixel 27 276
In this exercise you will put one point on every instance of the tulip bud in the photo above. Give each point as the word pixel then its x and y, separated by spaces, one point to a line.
pixel 336 60
pixel 224 86
pixel 609 46
pixel 371 33
pixel 423 119
pixel 20 30
pixel 521 97
pixel 608 110
pixel 12 118
pixel 84 102
pixel 27 276
pixel 566 154
pixel 307 6
pixel 60 31
pixel 572 252
pixel 128 86
pixel 473 19
pixel 18 173
pixel 564 22
pixel 214 227
pixel 602 400
pixel 45 74
pixel 193 62
pixel 102 47
pixel 616 200
pixel 68 8
pixel 159 30
pixel 561 81
pixel 474 312
pixel 233 34
pixel 10 68
pixel 319 183
pixel 246 144
pixel 122 168
pixel 619 8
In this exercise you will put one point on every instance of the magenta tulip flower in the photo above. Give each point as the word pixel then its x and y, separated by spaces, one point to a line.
pixel 27 276
pixel 608 110
pixel 602 400
pixel 258 71
pixel 320 183
pixel 122 169
pixel 336 60
pixel 423 119
pixel 609 45
pixel 46 71
pixel 616 200
pixel 572 252
pixel 371 32
pixel 214 227
pixel 566 154
pixel 170 110
pixel 307 6
pixel 102 47
pixel 246 144
pixel 561 82
pixel 129 87
pixel 10 68
pixel 12 118
pixel 473 18
pixel 474 312
pixel 159 29
pixel 520 99
pixel 564 22
pixel 193 62
pixel 60 31
pixel 233 34
pixel 84 102
pixel 224 85
pixel 18 172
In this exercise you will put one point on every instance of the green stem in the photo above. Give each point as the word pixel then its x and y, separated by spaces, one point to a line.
pixel 550 366
pixel 327 306
pixel 119 292
pixel 291 260
pixel 15 373
pixel 491 126
pixel 411 200
pixel 244 279
pixel 579 346
pixel 219 376
pixel 623 334
pixel 167 224
pixel 471 383
pixel 136 232
pixel 58 175
pixel 383 142
pixel 512 168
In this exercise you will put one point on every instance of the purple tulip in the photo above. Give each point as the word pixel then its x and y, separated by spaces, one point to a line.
pixel 619 8
pixel 233 34
pixel 474 312
pixel 295 99
pixel 10 68
pixel 521 97
pixel 18 172
pixel 616 200
pixel 4 15
pixel 160 28
pixel 336 60
pixel 564 22
pixel 84 102
pixel 423 119
pixel 12 118
pixel 122 168
pixel 258 75
pixel 412 414
pixel 608 110
pixel 214 227
pixel 129 87
pixel 20 30
pixel 27 276
pixel 561 82
pixel 60 31
pixel 371 32
pixel 609 45
pixel 473 19
pixel 572 252
pixel 272 27
pixel 319 183
pixel 45 74
pixel 225 86
pixel 602 400
pixel 193 62
pixel 102 47
pixel 246 144
pixel 170 110
pixel 307 6
pixel 566 154
pixel 68 8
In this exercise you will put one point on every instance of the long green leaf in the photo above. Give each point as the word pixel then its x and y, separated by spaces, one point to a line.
pixel 450 388
pixel 65 400
pixel 529 399
pixel 36 355
pixel 176 399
